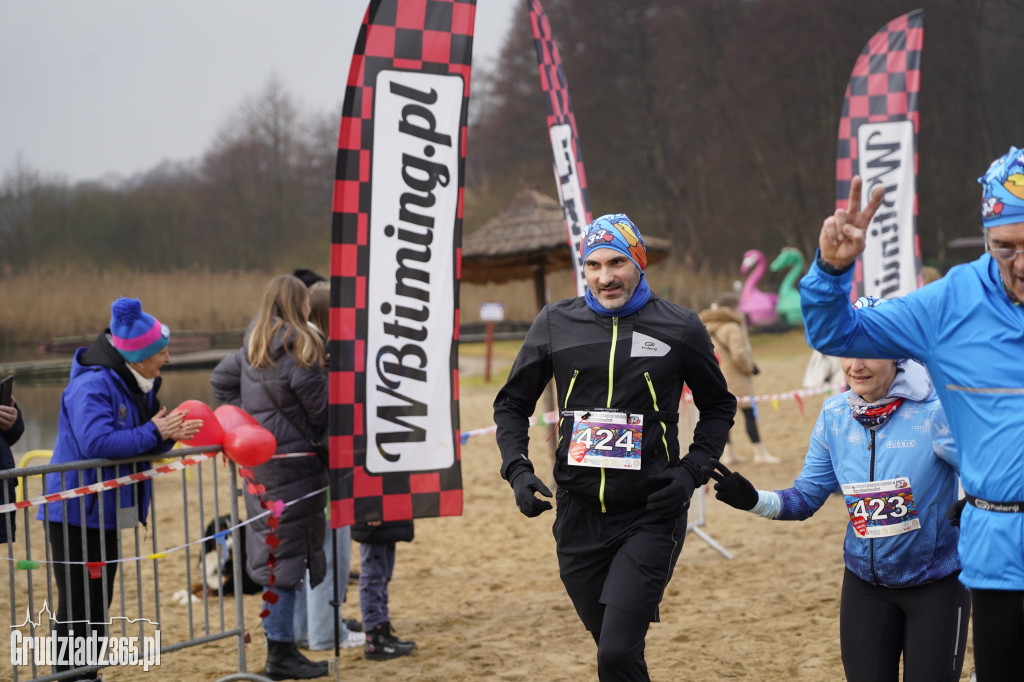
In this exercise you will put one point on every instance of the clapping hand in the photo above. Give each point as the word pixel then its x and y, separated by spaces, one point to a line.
pixel 731 487
pixel 175 426
pixel 842 234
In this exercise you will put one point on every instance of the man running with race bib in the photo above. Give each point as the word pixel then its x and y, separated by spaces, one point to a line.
pixel 619 356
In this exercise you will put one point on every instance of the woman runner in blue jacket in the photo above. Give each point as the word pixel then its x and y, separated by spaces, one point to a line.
pixel 886 445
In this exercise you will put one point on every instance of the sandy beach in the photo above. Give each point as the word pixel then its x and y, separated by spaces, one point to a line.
pixel 480 593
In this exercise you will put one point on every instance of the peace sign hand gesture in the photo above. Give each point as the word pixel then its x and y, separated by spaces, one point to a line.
pixel 731 488
pixel 842 234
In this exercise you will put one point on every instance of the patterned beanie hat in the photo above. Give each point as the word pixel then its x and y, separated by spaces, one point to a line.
pixel 615 231
pixel 136 335
pixel 1002 190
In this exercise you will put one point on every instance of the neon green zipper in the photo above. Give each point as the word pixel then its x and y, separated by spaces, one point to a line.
pixel 611 383
pixel 565 405
pixel 654 399
pixel 611 359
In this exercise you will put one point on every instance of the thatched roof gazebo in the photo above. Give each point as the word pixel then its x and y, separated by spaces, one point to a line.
pixel 527 240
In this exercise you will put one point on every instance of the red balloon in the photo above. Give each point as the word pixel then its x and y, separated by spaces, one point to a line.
pixel 232 416
pixel 210 433
pixel 250 445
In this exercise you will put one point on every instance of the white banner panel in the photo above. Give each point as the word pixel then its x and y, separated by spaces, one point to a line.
pixel 886 153
pixel 410 286
pixel 570 193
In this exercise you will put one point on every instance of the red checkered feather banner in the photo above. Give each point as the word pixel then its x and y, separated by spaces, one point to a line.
pixel 565 141
pixel 878 140
pixel 395 251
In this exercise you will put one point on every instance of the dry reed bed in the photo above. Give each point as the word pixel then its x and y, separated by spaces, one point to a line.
pixel 41 303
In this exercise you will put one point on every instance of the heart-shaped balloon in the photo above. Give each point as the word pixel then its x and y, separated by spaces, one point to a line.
pixel 210 433
pixel 250 445
pixel 232 416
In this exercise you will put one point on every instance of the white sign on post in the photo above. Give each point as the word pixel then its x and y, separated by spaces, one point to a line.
pixel 492 312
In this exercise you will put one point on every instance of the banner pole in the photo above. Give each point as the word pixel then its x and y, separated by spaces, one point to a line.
pixel 489 343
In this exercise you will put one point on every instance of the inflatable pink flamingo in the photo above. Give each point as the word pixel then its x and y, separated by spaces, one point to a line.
pixel 756 305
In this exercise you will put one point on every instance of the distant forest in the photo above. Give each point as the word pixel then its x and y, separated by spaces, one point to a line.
pixel 710 122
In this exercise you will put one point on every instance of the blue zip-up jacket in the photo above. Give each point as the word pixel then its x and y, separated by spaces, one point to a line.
pixel 916 444
pixel 103 415
pixel 969 335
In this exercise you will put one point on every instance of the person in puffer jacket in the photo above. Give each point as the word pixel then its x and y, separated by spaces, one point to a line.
pixel 886 445
pixel 279 376
pixel 728 331
pixel 109 410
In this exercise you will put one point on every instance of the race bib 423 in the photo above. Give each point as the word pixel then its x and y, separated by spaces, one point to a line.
pixel 880 509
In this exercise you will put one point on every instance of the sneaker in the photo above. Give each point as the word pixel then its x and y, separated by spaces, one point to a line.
pixel 729 456
pixel 349 641
pixel 762 456
pixel 353 624
pixel 381 645
pixel 353 639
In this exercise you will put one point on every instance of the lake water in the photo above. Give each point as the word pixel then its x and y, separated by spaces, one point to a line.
pixel 40 405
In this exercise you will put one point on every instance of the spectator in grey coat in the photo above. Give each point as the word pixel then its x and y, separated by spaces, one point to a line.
pixel 279 376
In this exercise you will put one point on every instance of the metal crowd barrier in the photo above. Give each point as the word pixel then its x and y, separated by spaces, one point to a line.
pixel 191 487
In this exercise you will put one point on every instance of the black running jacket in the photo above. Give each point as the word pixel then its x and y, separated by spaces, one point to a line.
pixel 637 363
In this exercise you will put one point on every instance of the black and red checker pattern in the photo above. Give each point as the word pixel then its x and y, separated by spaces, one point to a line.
pixel 430 36
pixel 884 86
pixel 557 101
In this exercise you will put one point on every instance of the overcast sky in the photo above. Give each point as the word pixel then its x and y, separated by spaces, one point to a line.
pixel 94 87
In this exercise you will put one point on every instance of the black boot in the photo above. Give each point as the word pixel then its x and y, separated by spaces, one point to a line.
pixel 392 635
pixel 285 662
pixel 381 645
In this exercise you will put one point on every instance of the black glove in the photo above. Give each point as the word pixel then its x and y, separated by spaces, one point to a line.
pixel 525 484
pixel 672 499
pixel 954 511
pixel 731 488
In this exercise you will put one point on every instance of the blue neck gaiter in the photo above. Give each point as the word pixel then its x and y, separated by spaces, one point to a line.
pixel 637 301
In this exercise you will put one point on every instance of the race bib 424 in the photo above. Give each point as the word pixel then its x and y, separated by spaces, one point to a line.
pixel 607 439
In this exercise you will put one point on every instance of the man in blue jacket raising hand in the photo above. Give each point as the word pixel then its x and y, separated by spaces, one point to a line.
pixel 619 356
pixel 968 330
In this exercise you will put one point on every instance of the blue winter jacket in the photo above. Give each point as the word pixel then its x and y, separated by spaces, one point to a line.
pixel 969 335
pixel 915 444
pixel 103 416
